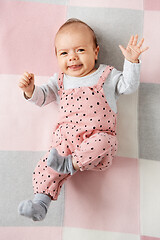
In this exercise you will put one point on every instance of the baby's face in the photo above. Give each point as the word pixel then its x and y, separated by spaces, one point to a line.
pixel 76 52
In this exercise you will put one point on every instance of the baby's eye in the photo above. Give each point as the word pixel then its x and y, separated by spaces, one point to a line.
pixel 80 50
pixel 63 53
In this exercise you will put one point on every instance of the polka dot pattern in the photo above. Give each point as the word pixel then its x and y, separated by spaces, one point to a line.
pixel 46 180
pixel 86 129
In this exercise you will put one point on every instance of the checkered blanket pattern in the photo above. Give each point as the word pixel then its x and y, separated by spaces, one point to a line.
pixel 127 205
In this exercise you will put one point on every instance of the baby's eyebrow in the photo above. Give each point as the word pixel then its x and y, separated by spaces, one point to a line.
pixel 63 50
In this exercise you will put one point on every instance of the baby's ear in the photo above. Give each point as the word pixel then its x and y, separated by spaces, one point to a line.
pixel 96 52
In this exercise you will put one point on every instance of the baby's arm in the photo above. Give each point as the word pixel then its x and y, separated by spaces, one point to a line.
pixel 128 80
pixel 39 95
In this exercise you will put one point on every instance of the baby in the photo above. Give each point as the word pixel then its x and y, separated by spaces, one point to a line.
pixel 85 135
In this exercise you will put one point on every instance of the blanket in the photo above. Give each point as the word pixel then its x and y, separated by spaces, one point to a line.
pixel 121 203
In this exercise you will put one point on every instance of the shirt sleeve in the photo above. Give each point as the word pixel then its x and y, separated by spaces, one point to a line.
pixel 127 81
pixel 46 93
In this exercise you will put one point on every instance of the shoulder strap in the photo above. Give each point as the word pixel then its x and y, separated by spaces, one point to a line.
pixel 60 81
pixel 103 77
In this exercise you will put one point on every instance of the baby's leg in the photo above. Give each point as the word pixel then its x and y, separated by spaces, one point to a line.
pixel 96 152
pixel 35 209
pixel 47 184
pixel 47 180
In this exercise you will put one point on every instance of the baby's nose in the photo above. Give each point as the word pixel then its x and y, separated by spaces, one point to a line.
pixel 73 56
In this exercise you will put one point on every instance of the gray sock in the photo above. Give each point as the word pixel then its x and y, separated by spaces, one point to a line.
pixel 36 209
pixel 61 164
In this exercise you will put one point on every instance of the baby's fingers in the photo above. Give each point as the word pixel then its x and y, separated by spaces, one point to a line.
pixel 131 40
pixel 25 80
pixel 140 43
pixel 27 75
pixel 123 50
pixel 135 40
pixel 23 83
pixel 144 49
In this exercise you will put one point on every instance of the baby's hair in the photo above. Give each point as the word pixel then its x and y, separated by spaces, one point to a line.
pixel 77 21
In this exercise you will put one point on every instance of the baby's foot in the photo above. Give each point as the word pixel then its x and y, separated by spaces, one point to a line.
pixel 32 210
pixel 36 209
pixel 61 164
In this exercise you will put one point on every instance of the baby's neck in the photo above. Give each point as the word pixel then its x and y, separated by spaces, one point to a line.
pixel 92 71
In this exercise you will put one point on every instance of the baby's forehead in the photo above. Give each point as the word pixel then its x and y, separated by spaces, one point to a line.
pixel 73 28
pixel 75 31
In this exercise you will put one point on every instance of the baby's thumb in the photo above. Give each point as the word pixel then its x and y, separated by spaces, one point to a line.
pixel 31 77
pixel 122 49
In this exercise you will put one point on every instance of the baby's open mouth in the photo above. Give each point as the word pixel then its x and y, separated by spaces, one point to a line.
pixel 75 67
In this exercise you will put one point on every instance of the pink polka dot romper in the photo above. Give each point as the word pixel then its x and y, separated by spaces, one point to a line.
pixel 86 129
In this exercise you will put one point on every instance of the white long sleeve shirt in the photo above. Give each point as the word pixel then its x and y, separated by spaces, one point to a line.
pixel 117 83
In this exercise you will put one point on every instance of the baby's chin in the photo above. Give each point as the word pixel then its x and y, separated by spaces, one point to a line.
pixel 77 71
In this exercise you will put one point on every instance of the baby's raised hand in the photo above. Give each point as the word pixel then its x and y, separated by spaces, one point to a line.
pixel 26 83
pixel 133 49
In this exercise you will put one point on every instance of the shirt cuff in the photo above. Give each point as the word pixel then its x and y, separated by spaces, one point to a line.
pixel 128 62
pixel 37 96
